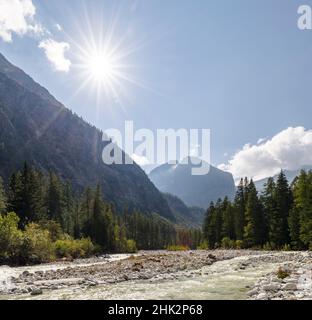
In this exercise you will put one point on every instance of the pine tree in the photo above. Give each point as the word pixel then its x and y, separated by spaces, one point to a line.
pixel 38 187
pixel 228 227
pixel 294 229
pixel 87 205
pixel 239 210
pixel 26 208
pixel 302 191
pixel 14 201
pixel 100 225
pixel 54 199
pixel 3 200
pixel 284 201
pixel 213 224
pixel 25 197
pixel 253 234
pixel 77 225
pixel 219 221
pixel 68 211
pixel 272 223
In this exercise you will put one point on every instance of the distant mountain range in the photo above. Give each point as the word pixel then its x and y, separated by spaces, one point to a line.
pixel 36 128
pixel 290 175
pixel 194 191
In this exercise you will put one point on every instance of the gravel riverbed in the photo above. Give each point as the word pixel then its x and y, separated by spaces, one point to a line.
pixel 292 282
pixel 161 266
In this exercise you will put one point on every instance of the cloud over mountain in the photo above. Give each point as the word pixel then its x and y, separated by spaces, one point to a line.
pixel 289 149
pixel 55 52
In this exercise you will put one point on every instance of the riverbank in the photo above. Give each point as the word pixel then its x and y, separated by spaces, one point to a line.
pixel 292 281
pixel 235 271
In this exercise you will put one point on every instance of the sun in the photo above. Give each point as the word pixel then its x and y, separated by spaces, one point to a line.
pixel 101 68
pixel 105 63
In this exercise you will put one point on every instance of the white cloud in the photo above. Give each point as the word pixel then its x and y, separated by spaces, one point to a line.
pixel 289 149
pixel 261 140
pixel 17 16
pixel 140 160
pixel 55 52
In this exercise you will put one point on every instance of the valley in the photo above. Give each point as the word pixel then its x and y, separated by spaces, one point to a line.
pixel 80 218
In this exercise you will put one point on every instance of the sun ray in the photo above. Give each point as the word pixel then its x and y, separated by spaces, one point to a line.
pixel 104 58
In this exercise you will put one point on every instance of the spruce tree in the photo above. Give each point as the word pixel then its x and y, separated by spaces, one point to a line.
pixel 284 201
pixel 69 209
pixel 253 234
pixel 14 193
pixel 209 227
pixel 294 229
pixel 239 210
pixel 272 223
pixel 3 200
pixel 218 221
pixel 54 198
pixel 228 227
pixel 302 191
pixel 25 198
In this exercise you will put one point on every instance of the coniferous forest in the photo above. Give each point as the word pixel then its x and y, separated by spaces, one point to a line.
pixel 280 217
pixel 43 219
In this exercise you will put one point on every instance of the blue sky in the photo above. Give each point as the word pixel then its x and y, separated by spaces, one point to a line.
pixel 240 68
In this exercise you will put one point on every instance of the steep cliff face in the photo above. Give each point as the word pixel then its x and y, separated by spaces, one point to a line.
pixel 36 128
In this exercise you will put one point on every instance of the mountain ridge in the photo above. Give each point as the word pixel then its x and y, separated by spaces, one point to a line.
pixel 198 191
pixel 37 128
pixel 290 175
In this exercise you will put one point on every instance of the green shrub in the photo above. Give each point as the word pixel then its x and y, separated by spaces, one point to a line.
pixel 87 246
pixel 267 246
pixel 177 248
pixel 282 274
pixel 11 238
pixel 239 244
pixel 37 244
pixel 286 247
pixel 131 246
pixel 70 248
pixel 54 229
pixel 124 245
pixel 203 246
pixel 227 243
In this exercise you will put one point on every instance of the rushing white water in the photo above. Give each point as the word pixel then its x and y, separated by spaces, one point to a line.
pixel 5 277
pixel 223 280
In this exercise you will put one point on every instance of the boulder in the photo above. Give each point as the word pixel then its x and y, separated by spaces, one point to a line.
pixel 252 292
pixel 262 296
pixel 36 292
pixel 290 287
pixel 271 287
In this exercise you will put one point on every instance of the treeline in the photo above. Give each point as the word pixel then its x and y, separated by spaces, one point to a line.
pixel 45 203
pixel 151 232
pixel 278 218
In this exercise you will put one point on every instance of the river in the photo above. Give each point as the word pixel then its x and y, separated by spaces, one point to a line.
pixel 224 280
